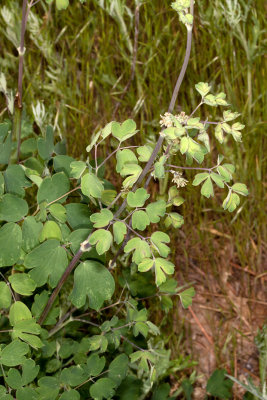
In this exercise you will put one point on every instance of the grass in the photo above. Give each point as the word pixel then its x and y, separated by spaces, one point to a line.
pixel 78 63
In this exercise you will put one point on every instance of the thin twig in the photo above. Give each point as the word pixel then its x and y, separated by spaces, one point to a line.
pixel 209 339
pixel 133 67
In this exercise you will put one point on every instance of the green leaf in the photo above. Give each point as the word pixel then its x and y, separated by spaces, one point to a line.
pixel 62 164
pixel 95 364
pixel 159 170
pixel 103 240
pixel 50 230
pixel 219 386
pixel 92 280
pixel 77 169
pixel 156 210
pixel 184 145
pixel 193 123
pixel 134 171
pixel 40 301
pixel 53 188
pixel 106 131
pixel 5 143
pixel 29 372
pixel 15 180
pixel 162 267
pixel 240 188
pixel 48 388
pixel 207 188
pixel 70 395
pixel 73 376
pixel 219 133
pixel 10 249
pixel 144 153
pixel 145 265
pixel 78 216
pixel 118 368
pixel 14 353
pixel 28 147
pixel 158 239
pixel 140 247
pixel 19 312
pixel 102 218
pixel 30 233
pixel 137 198
pixel 2 184
pixel 229 115
pixel 91 185
pixel 174 219
pixel 203 88
pixel 62 4
pixel 22 284
pixel 107 196
pixel 123 157
pixel 210 100
pixel 119 231
pixel 123 131
pixel 174 197
pixel 226 171
pixel 231 202
pixel 220 99
pixel 140 220
pixel 103 389
pixel 45 145
pixel 186 297
pixel 58 211
pixel 200 178
pixel 26 394
pixel 204 137
pixel 48 262
pixel 12 208
pixel 226 127
pixel 217 179
pixel 5 295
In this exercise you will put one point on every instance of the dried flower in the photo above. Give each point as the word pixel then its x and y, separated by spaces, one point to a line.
pixel 166 120
pixel 178 179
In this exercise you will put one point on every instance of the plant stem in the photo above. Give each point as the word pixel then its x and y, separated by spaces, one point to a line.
pixel 147 168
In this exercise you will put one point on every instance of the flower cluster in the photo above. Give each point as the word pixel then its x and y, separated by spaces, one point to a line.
pixel 178 179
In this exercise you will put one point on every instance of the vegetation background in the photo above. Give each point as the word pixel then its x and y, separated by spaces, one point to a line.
pixel 79 61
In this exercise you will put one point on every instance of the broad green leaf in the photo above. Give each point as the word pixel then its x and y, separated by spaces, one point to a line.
pixel 14 353
pixel 15 180
pixel 145 265
pixel 217 179
pixel 226 171
pixel 48 388
pixel 162 267
pixel 143 357
pixel 103 389
pixel 10 249
pixel 2 184
pixel 91 185
pixel 62 4
pixel 240 188
pixel 123 157
pixel 174 219
pixel 102 239
pixel 140 247
pixel 92 280
pixel 159 239
pixel 204 138
pixel 231 202
pixel 226 127
pixel 58 211
pixel 28 147
pixel 107 196
pixel 95 364
pixel 229 115
pixel 70 395
pixel 19 312
pixel 134 171
pixel 123 131
pixel 203 88
pixel 170 286
pixel 47 263
pixel 210 100
pixel 118 368
pixel 22 284
pixel 62 164
pixel 193 123
pixel 30 233
pixel 46 145
pixel 40 301
pixel 119 231
pixel 5 295
pixel 79 236
pixel 159 169
pixel 5 142
pixel 50 230
pixel 137 198
pixel 219 133
pixel 186 297
pixel 174 197
pixel 78 216
pixel 200 178
pixel 29 372
pixel 26 393
pixel 219 386
pixel 73 376
pixel 156 210
pixel 207 188
pixel 144 153
pixel 27 330
pixel 77 169
pixel 12 208
pixel 184 145
pixel 140 220
pixel 106 131
pixel 220 99
pixel 53 188
pixel 102 218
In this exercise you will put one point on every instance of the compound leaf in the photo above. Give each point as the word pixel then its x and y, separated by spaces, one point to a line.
pixel 137 198
pixel 101 218
pixel 103 240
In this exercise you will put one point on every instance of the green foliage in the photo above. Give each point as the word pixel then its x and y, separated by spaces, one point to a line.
pixel 67 332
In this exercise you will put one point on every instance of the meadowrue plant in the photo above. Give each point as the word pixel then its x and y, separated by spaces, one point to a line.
pixel 81 257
